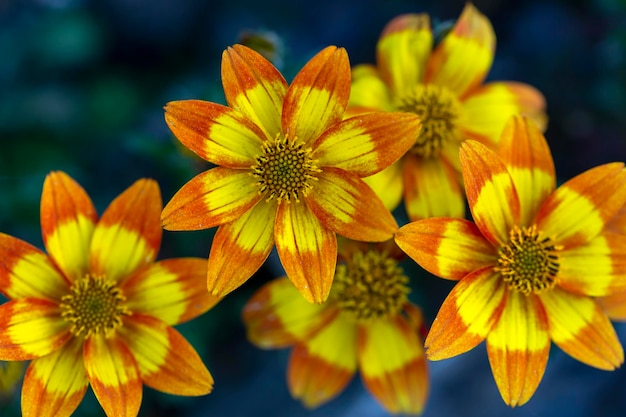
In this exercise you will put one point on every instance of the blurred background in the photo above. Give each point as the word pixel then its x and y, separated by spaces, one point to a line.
pixel 82 89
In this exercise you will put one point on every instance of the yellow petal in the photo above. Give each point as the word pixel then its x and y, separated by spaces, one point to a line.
pixel 431 189
pixel 213 197
pixel 392 364
pixel 463 58
pixel 518 348
pixel 128 235
pixel 307 250
pixel 113 375
pixel 318 95
pixel 277 315
pixel 67 223
pixel 321 367
pixel 54 385
pixel 387 184
pixel 368 90
pixel 581 329
pixel 25 271
pixel 172 290
pixel 240 247
pixel 467 315
pixel 253 86
pixel 166 361
pixel 448 248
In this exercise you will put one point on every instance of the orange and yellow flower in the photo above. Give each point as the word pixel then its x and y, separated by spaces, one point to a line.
pixel 366 323
pixel 615 304
pixel 97 309
pixel 444 86
pixel 529 265
pixel 288 169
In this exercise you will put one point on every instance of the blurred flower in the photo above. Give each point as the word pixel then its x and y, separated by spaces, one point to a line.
pixel 444 86
pixel 367 322
pixel 288 170
pixel 615 304
pixel 10 375
pixel 529 265
pixel 97 309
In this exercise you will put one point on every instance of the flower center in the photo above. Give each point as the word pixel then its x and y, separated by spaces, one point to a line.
pixel 285 170
pixel 370 285
pixel 527 262
pixel 94 306
pixel 438 110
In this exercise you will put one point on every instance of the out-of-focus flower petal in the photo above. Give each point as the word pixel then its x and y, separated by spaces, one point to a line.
pixel 368 90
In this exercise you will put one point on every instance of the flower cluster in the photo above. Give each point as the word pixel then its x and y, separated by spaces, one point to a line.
pixel 315 168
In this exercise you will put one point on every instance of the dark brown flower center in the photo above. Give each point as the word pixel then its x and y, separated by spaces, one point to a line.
pixel 438 109
pixel 370 285
pixel 285 170
pixel 94 305
pixel 528 263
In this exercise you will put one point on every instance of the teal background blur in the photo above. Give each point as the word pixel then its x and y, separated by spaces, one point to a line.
pixel 82 87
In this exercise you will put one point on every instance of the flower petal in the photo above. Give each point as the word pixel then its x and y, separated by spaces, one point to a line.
pixel 321 367
pixel 55 384
pixel 172 290
pixel 128 235
pixel 215 133
pixel 448 248
pixel 253 86
pixel 467 315
pixel 346 205
pixel 367 143
pixel 31 328
pixel 368 90
pixel 463 58
pixel 277 316
pixel 403 50
pixel 166 360
pixel 387 184
pixel 488 107
pixel 614 305
pixel 240 247
pixel 518 348
pixel 213 197
pixel 25 271
pixel 392 364
pixel 580 208
pixel 113 375
pixel 318 95
pixel 581 329
pixel 527 157
pixel 597 268
pixel 307 250
pixel 490 192
pixel 67 223
pixel 431 189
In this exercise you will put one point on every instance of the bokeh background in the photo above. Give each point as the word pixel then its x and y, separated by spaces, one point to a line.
pixel 82 86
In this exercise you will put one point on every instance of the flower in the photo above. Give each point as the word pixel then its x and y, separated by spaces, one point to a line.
pixel 530 263
pixel 615 304
pixel 366 323
pixel 444 86
pixel 288 169
pixel 97 310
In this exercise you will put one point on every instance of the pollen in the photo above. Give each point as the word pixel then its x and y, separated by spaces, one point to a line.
pixel 370 285
pixel 528 262
pixel 94 305
pixel 285 171
pixel 438 109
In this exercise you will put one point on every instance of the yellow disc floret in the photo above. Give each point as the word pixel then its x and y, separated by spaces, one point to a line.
pixel 528 263
pixel 438 110
pixel 94 305
pixel 370 285
pixel 285 170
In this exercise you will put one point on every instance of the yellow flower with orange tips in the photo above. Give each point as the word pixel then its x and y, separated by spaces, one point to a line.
pixel 445 86
pixel 97 309
pixel 367 323
pixel 529 265
pixel 288 169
